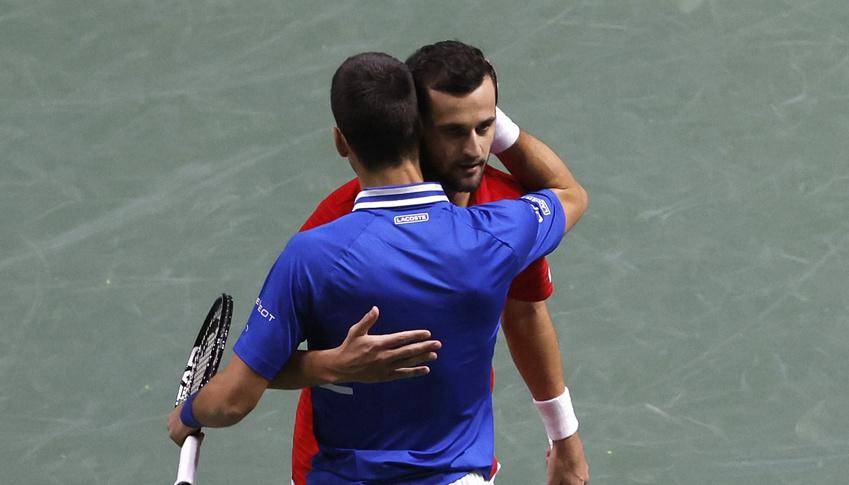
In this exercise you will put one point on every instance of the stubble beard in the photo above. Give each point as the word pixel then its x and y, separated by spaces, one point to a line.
pixel 451 179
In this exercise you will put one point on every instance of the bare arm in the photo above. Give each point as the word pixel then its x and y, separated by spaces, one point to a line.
pixel 533 345
pixel 532 341
pixel 535 166
pixel 224 401
pixel 306 368
pixel 528 328
pixel 361 358
pixel 230 395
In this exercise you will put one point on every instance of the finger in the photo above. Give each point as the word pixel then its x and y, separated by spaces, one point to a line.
pixel 178 438
pixel 364 325
pixel 415 360
pixel 399 339
pixel 406 352
pixel 409 372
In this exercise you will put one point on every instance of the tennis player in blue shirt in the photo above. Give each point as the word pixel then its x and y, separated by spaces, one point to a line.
pixel 424 263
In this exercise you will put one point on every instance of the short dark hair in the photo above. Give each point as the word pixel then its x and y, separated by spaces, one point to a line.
pixel 373 100
pixel 449 66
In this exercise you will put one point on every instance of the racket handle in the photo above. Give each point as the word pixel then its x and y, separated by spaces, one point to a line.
pixel 188 461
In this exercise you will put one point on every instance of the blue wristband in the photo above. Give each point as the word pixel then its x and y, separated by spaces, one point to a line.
pixel 186 414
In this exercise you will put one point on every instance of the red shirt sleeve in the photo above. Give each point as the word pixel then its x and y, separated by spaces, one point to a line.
pixel 534 283
pixel 334 206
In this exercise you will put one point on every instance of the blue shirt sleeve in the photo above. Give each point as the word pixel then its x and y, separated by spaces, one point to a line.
pixel 275 326
pixel 532 225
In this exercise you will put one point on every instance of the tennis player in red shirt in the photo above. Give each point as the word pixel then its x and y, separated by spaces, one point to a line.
pixel 459 133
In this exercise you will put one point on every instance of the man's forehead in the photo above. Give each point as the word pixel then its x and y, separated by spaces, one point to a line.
pixel 463 108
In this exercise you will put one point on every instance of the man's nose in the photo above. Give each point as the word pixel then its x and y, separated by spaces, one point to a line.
pixel 472 147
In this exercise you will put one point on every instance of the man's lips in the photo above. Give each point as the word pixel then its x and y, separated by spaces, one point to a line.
pixel 470 167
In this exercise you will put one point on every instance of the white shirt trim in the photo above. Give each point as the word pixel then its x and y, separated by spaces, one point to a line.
pixel 401 202
pixel 408 189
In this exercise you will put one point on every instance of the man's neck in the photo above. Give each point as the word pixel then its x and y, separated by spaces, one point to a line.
pixel 407 172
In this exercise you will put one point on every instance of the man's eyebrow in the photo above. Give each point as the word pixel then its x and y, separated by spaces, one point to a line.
pixel 462 126
pixel 452 126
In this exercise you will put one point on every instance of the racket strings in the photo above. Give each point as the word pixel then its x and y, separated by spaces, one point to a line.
pixel 206 356
pixel 209 352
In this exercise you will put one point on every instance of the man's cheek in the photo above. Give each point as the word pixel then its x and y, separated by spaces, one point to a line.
pixel 487 146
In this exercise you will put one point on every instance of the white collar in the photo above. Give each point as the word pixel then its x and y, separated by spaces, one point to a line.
pixel 400 196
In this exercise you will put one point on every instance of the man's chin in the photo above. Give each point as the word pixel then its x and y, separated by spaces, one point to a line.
pixel 464 182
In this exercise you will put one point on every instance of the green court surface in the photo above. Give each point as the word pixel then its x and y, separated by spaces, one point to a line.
pixel 156 153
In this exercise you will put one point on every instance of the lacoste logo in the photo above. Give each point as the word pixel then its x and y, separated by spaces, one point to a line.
pixel 412 218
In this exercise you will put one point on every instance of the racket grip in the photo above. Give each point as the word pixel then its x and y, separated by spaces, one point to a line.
pixel 188 461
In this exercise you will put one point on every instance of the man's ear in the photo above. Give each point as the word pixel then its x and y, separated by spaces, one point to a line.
pixel 341 143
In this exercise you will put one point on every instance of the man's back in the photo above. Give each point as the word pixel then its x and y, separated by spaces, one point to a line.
pixel 426 264
pixel 532 284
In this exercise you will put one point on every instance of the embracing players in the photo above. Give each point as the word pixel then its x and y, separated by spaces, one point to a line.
pixel 458 136
pixel 426 266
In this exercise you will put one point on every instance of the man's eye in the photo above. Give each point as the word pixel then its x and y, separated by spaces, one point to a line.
pixel 482 130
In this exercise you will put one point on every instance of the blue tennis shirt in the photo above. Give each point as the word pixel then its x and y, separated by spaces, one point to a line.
pixel 425 263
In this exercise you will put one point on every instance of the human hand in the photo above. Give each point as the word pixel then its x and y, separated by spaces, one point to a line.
pixel 177 430
pixel 379 358
pixel 566 462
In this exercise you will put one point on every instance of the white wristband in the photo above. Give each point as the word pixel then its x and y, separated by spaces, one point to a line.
pixel 558 416
pixel 506 132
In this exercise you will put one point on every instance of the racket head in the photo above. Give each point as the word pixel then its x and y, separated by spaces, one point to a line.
pixel 208 348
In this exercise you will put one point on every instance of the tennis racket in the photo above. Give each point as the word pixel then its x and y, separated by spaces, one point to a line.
pixel 202 365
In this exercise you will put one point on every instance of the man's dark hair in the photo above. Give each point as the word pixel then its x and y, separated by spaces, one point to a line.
pixel 449 66
pixel 374 103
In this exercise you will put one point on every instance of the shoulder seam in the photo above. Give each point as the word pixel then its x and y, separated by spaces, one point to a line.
pixel 493 236
pixel 343 254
